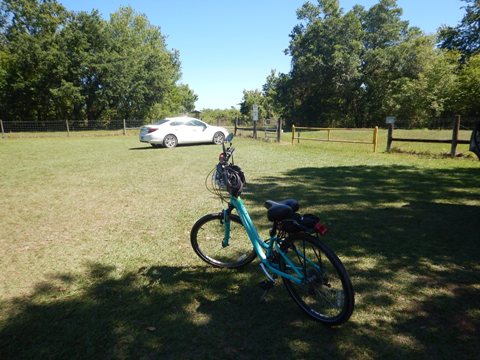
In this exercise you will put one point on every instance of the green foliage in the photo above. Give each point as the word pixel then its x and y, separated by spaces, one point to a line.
pixel 355 68
pixel 34 64
pixel 468 93
pixel 250 98
pixel 62 65
pixel 222 117
pixel 325 73
pixel 178 100
pixel 348 69
pixel 465 37
pixel 139 71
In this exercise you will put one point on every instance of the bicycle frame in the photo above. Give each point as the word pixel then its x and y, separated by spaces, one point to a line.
pixel 263 249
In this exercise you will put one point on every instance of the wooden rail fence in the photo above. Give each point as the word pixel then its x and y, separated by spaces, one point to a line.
pixel 374 131
pixel 454 140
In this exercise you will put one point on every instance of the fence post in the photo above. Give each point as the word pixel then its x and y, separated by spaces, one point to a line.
pixel 375 138
pixel 124 127
pixel 389 137
pixel 1 125
pixel 68 129
pixel 293 133
pixel 279 129
pixel 456 128
pixel 254 129
pixel 236 126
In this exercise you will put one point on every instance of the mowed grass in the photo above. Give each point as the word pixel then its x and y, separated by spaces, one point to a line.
pixel 96 262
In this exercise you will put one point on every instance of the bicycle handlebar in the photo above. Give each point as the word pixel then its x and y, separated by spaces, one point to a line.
pixel 227 152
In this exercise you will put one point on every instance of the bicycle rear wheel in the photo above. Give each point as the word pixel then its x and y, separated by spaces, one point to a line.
pixel 326 293
pixel 207 236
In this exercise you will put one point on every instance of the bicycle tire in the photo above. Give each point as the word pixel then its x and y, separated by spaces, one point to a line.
pixel 206 238
pixel 327 293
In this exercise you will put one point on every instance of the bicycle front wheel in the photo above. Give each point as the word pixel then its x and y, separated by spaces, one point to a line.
pixel 326 292
pixel 207 237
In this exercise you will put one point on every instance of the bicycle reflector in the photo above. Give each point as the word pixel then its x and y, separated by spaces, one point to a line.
pixel 320 228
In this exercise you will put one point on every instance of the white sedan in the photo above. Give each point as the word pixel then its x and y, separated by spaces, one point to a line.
pixel 170 132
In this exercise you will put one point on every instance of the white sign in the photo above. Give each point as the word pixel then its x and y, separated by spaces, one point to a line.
pixel 391 119
pixel 255 112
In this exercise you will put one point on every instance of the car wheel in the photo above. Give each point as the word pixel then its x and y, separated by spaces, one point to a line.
pixel 170 141
pixel 218 138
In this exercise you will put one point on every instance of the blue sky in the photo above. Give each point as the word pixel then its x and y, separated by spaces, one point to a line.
pixel 227 46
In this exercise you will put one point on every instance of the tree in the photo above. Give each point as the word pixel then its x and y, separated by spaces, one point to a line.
pixel 57 64
pixel 271 96
pixel 388 61
pixel 325 76
pixel 250 98
pixel 139 71
pixel 468 92
pixel 84 44
pixel 425 90
pixel 465 37
pixel 221 117
pixel 33 63
pixel 356 68
pixel 180 99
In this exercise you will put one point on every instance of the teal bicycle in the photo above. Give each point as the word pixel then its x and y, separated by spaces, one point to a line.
pixel 313 275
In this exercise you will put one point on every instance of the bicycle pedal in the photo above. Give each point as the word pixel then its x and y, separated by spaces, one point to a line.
pixel 266 285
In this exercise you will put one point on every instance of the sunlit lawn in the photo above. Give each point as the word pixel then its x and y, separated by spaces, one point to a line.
pixel 96 262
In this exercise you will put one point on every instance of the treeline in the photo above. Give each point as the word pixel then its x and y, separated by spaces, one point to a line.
pixel 56 64
pixel 356 68
pixel 347 69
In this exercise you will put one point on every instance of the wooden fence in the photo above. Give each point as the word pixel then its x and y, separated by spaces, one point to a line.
pixel 296 135
pixel 454 141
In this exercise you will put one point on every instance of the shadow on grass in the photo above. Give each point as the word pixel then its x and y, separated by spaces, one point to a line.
pixel 158 312
pixel 164 148
pixel 409 239
pixel 144 148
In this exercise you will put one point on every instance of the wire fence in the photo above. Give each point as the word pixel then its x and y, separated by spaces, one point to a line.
pixel 59 128
pixel 446 123
pixel 66 128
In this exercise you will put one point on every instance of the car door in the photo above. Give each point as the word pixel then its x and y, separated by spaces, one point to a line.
pixel 179 129
pixel 197 131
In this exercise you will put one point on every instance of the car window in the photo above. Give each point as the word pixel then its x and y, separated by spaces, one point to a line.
pixel 195 123
pixel 177 123
pixel 160 122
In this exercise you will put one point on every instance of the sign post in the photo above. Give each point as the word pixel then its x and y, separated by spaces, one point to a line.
pixel 390 121
pixel 255 119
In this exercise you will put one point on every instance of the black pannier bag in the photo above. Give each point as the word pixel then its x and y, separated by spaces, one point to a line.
pixel 307 223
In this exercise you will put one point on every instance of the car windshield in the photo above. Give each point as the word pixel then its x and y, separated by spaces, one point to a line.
pixel 160 122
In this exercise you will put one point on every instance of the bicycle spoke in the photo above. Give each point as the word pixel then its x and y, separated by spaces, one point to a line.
pixel 325 291
pixel 207 238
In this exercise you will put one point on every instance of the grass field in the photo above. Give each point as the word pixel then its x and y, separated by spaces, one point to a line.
pixel 96 262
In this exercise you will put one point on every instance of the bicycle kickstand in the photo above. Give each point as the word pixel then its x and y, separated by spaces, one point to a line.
pixel 266 284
